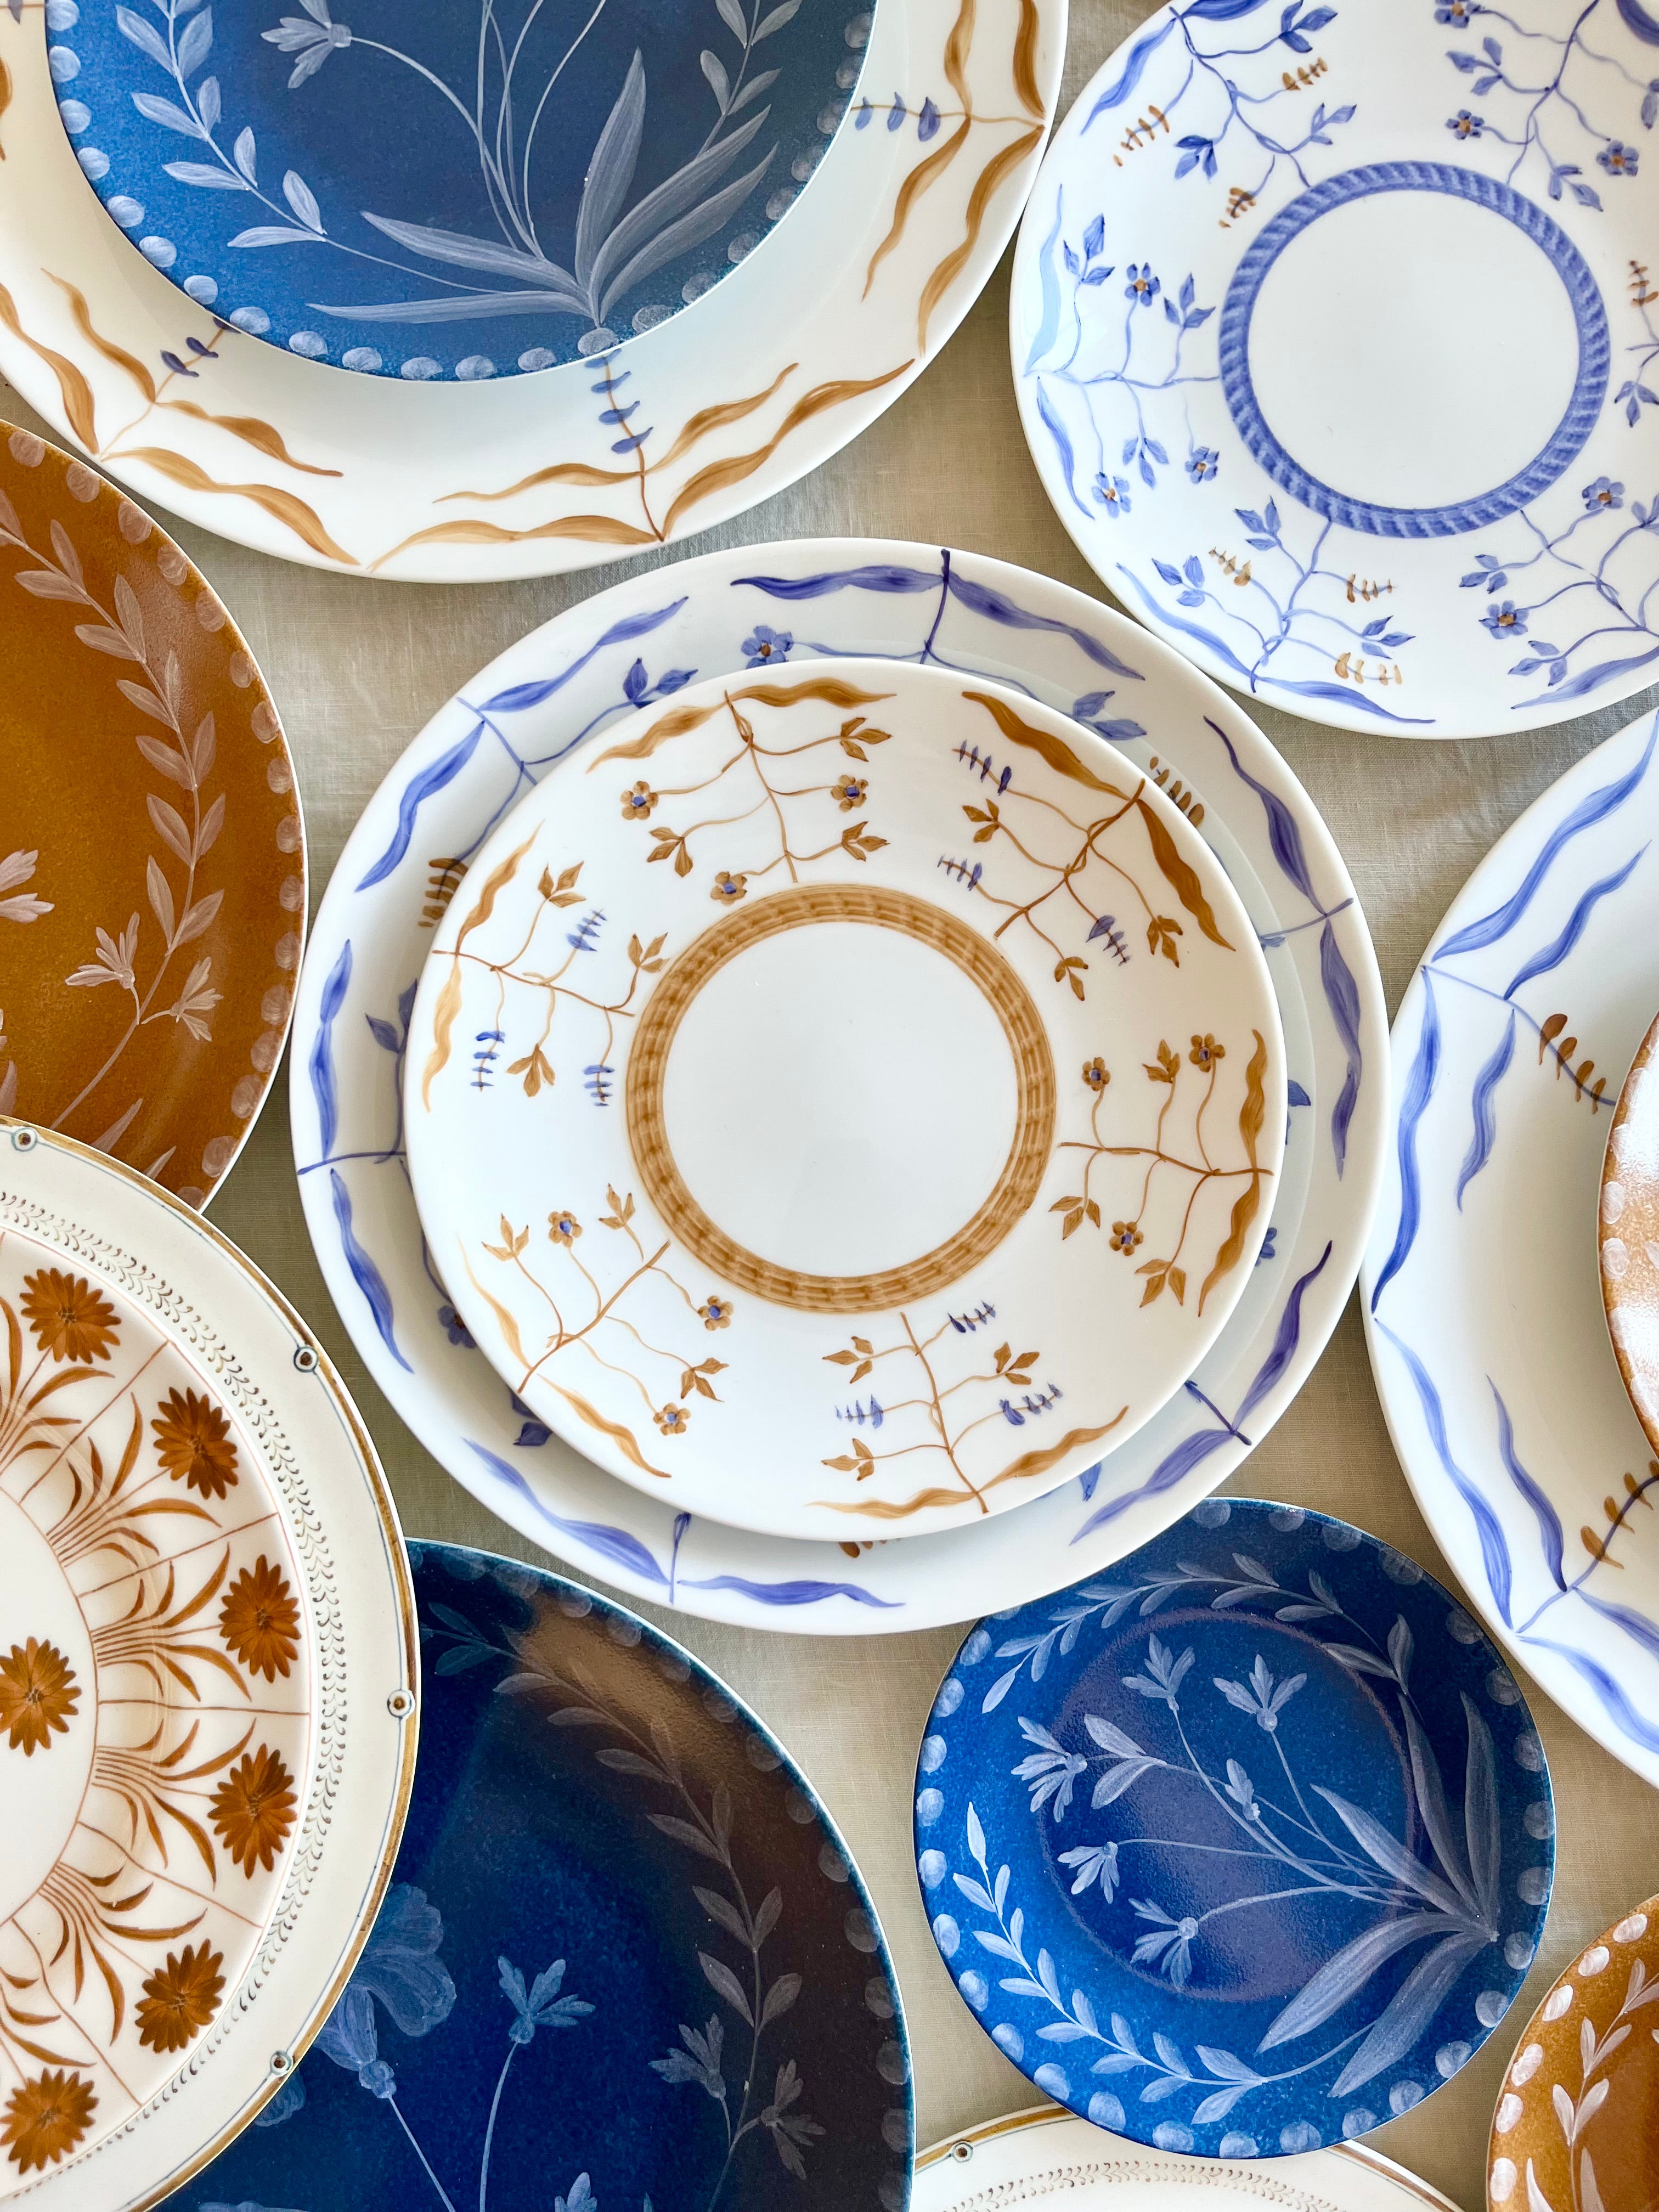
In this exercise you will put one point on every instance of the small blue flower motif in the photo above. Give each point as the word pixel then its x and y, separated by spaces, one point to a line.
pixel 766 644
pixel 1113 493
pixel 1143 287
pixel 1090 1863
pixel 1261 1699
pixel 313 40
pixel 542 2007
pixel 1603 494
pixel 1504 621
pixel 1169 1941
pixel 1456 14
pixel 1202 462
pixel 1165 1675
pixel 455 1328
pixel 1618 159
pixel 1465 125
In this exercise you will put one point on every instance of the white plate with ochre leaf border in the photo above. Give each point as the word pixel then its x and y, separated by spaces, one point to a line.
pixel 584 674
pixel 847 1103
pixel 1335 340
pixel 208 1676
pixel 796 350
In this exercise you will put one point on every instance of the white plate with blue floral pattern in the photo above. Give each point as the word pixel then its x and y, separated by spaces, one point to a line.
pixel 848 1101
pixel 1334 338
pixel 1488 1336
pixel 580 677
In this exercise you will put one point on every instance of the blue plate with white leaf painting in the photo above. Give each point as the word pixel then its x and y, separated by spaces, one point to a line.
pixel 1243 1848
pixel 437 188
pixel 624 1960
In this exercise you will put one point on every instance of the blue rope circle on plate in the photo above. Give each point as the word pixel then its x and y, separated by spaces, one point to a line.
pixel 1589 315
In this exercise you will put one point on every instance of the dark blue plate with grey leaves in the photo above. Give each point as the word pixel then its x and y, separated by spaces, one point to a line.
pixel 1242 1849
pixel 435 188
pixel 624 1961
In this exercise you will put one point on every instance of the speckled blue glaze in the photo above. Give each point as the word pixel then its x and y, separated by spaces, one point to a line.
pixel 610 1878
pixel 432 188
pixel 1243 1848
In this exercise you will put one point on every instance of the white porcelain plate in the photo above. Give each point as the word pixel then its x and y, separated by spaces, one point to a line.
pixel 1049 2158
pixel 573 681
pixel 1487 1333
pixel 1335 340
pixel 796 351
pixel 207 1663
pixel 849 1101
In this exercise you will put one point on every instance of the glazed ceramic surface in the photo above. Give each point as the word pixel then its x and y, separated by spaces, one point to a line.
pixel 1630 1236
pixel 462 192
pixel 859 1039
pixel 152 880
pixel 625 1961
pixel 1271 260
pixel 1574 2127
pixel 1488 1334
pixel 798 349
pixel 742 611
pixel 204 1608
pixel 1243 1849
pixel 1048 2157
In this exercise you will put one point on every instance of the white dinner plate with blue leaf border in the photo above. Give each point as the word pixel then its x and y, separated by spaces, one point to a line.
pixel 1334 339
pixel 1488 1335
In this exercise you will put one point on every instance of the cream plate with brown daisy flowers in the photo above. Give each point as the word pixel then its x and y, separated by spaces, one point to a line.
pixel 850 1103
pixel 203 1603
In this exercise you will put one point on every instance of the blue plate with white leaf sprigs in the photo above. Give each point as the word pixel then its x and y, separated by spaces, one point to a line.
pixel 624 1960
pixel 451 188
pixel 1243 1848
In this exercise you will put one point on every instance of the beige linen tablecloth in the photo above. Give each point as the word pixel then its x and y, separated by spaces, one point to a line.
pixel 357 668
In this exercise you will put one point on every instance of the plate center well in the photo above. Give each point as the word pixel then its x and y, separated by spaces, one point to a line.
pixel 841 1098
pixel 1415 347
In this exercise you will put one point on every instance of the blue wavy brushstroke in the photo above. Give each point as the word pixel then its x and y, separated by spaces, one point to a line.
pixel 419 788
pixel 1594 808
pixel 1484 1134
pixel 519 696
pixel 1193 1450
pixel 1057 431
pixel 1283 831
pixel 1635 1626
pixel 873 576
pixel 1122 86
pixel 997 607
pixel 1589 680
pixel 1613 1697
pixel 1494 1550
pixel 1303 688
pixel 1342 997
pixel 1553 954
pixel 1549 1525
pixel 1419 1089
pixel 623 1550
pixel 1048 323
pixel 320 1065
pixel 367 1277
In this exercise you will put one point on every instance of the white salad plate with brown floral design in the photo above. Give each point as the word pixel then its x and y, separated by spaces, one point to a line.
pixel 152 852
pixel 208 1668
pixel 850 1103
pixel 935 124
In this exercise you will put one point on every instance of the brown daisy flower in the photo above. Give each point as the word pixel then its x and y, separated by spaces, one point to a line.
pixel 253 1809
pixel 180 1998
pixel 260 1620
pixel 37 1694
pixel 564 1227
pixel 672 1420
pixel 1205 1051
pixel 715 1312
pixel 70 1319
pixel 636 804
pixel 728 888
pixel 193 1441
pixel 1125 1236
pixel 847 792
pixel 1095 1074
pixel 46 2118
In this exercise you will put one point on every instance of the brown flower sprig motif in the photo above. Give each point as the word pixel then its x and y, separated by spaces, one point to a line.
pixel 259 1619
pixel 68 1319
pixel 1126 850
pixel 194 1444
pixel 1156 1161
pixel 46 2117
pixel 252 1810
pixel 180 1997
pixel 38 1695
pixel 936 1423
